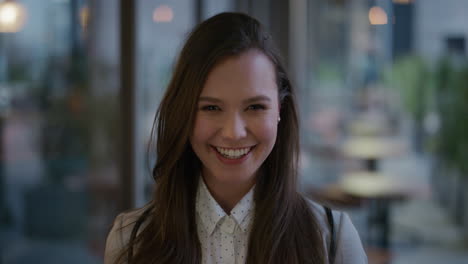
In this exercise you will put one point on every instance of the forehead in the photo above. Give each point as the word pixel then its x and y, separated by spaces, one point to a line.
pixel 250 73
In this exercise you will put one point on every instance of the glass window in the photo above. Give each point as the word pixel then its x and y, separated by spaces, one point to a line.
pixel 382 115
pixel 162 28
pixel 58 99
pixel 213 7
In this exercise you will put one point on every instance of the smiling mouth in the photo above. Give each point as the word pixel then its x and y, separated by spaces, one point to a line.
pixel 231 153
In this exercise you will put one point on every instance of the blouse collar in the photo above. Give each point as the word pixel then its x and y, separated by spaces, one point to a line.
pixel 211 213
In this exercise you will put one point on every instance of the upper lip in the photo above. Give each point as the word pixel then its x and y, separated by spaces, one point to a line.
pixel 234 148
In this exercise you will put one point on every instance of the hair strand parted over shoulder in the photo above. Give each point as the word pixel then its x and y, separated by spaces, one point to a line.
pixel 284 229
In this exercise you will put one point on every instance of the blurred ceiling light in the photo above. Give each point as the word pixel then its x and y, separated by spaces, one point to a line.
pixel 370 147
pixel 162 14
pixel 12 16
pixel 402 2
pixel 377 16
pixel 84 17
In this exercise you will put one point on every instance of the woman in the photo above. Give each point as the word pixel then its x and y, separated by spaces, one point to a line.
pixel 226 169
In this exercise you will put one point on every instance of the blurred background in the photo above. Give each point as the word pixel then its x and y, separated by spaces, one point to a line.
pixel 383 100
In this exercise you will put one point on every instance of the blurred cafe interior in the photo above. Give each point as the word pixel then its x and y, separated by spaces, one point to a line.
pixel 383 105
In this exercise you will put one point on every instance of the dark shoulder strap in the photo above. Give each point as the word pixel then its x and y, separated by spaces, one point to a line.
pixel 332 246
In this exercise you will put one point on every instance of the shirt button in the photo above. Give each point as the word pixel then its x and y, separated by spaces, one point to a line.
pixel 228 225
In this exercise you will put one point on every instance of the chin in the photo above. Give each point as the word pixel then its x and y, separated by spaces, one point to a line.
pixel 233 177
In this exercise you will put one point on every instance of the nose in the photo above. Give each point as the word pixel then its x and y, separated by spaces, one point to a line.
pixel 234 127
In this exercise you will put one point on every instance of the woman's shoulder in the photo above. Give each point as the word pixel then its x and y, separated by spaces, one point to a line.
pixel 120 233
pixel 128 218
pixel 348 245
pixel 321 215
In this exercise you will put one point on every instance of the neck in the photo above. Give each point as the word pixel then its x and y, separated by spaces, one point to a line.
pixel 227 194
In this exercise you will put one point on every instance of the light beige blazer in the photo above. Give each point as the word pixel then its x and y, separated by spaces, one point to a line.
pixel 349 248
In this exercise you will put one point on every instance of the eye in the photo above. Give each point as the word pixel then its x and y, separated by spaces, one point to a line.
pixel 210 108
pixel 256 107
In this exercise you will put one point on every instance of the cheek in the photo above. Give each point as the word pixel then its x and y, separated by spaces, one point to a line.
pixel 266 130
pixel 202 131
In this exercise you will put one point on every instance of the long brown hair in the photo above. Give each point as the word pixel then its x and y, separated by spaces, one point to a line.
pixel 284 229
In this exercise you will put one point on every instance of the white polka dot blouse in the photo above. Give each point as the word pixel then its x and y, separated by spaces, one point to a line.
pixel 223 237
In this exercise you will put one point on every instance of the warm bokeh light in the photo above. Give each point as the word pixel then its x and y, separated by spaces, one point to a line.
pixel 12 16
pixel 162 14
pixel 377 16
pixel 402 2
pixel 84 17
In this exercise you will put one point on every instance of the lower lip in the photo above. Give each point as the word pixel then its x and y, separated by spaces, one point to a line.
pixel 232 161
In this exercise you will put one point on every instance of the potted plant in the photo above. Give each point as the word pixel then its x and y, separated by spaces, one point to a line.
pixel 409 77
pixel 450 144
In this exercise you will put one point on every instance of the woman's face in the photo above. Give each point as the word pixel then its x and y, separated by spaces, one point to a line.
pixel 237 117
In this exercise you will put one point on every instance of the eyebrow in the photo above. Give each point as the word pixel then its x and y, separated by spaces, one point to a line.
pixel 247 101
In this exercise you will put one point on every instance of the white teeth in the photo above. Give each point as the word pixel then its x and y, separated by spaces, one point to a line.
pixel 231 153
